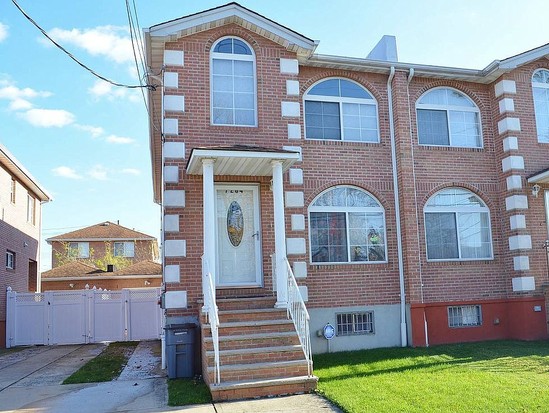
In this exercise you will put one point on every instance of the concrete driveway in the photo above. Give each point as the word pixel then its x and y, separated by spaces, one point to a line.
pixel 30 381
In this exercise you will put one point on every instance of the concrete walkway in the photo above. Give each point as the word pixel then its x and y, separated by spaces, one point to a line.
pixel 30 381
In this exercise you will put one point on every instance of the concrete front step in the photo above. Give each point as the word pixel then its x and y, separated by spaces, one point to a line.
pixel 256 355
pixel 243 303
pixel 251 327
pixel 253 341
pixel 258 371
pixel 256 314
pixel 260 388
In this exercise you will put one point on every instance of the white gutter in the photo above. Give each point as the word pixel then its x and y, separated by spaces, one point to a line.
pixel 403 329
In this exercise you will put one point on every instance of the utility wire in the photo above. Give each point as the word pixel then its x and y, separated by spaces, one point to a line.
pixel 30 19
pixel 133 41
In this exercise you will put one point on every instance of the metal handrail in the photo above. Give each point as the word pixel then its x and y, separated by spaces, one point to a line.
pixel 213 315
pixel 297 311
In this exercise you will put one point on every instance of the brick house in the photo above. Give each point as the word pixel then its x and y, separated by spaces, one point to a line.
pixel 408 200
pixel 96 241
pixel 21 199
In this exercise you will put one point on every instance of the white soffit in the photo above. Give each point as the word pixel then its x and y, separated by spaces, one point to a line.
pixel 240 162
pixel 539 178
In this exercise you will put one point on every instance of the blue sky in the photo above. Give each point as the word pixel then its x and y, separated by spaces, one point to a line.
pixel 87 142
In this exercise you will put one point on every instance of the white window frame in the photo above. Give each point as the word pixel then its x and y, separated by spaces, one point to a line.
pixel 10 260
pixel 477 309
pixel 13 190
pixel 448 109
pixel 228 56
pixel 125 244
pixel 31 209
pixel 83 249
pixel 354 316
pixel 346 211
pixel 456 210
pixel 538 85
pixel 340 100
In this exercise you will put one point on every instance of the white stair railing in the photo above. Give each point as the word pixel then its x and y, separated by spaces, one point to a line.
pixel 210 306
pixel 299 315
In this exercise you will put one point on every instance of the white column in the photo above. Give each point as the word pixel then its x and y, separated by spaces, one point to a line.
pixel 209 218
pixel 280 237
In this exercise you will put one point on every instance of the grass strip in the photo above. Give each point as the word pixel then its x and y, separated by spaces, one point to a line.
pixel 496 376
pixel 183 392
pixel 106 366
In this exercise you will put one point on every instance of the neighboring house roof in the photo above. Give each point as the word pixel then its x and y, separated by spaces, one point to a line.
pixel 104 231
pixel 18 171
pixel 146 267
pixel 78 270
pixel 73 269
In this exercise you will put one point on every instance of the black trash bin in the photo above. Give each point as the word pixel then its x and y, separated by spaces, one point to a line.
pixel 180 350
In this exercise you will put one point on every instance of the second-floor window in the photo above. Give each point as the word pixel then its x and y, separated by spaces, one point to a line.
pixel 447 117
pixel 79 250
pixel 12 193
pixel 124 249
pixel 233 94
pixel 10 260
pixel 339 109
pixel 540 89
pixel 31 209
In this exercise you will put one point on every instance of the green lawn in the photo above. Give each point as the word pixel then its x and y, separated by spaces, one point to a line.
pixel 182 392
pixel 500 376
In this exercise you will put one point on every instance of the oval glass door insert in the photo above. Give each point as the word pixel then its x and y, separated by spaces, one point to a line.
pixel 235 223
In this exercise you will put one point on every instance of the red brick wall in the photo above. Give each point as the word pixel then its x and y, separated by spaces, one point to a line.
pixel 423 170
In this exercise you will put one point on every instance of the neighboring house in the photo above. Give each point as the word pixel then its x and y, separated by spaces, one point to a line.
pixel 97 241
pixel 77 275
pixel 410 200
pixel 21 199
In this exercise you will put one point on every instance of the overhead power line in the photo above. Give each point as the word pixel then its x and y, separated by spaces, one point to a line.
pixel 93 72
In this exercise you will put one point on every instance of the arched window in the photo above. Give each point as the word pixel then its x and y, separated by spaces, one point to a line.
pixel 540 88
pixel 347 224
pixel 457 226
pixel 447 117
pixel 339 109
pixel 233 94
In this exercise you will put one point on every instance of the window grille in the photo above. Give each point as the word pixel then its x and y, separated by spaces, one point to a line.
pixel 464 316
pixel 355 323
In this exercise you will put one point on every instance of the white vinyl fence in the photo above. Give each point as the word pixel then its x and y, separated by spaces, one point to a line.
pixel 83 316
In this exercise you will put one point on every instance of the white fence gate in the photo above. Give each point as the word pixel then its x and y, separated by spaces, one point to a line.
pixel 83 316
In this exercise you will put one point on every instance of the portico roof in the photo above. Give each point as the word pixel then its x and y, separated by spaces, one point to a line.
pixel 541 177
pixel 241 160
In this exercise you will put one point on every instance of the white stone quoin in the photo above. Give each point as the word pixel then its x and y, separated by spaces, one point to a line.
pixel 289 66
pixel 292 87
pixel 172 273
pixel 300 269
pixel 174 198
pixel 512 162
pixel 171 127
pixel 296 176
pixel 175 248
pixel 171 223
pixel 175 299
pixel 520 242
pixel 514 182
pixel 510 143
pixel 174 150
pixel 174 58
pixel 298 222
pixel 521 263
pixel 294 199
pixel 508 125
pixel 171 80
pixel 174 103
pixel 171 174
pixel 506 105
pixel 516 202
pixel 290 109
pixel 524 284
pixel 505 86
pixel 294 131
pixel 295 246
pixel 517 222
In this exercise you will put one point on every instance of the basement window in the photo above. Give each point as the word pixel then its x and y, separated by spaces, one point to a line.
pixel 355 323
pixel 464 316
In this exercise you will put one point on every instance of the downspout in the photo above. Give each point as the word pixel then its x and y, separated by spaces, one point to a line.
pixel 403 329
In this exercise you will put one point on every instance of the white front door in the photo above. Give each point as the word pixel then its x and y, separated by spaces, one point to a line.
pixel 238 236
